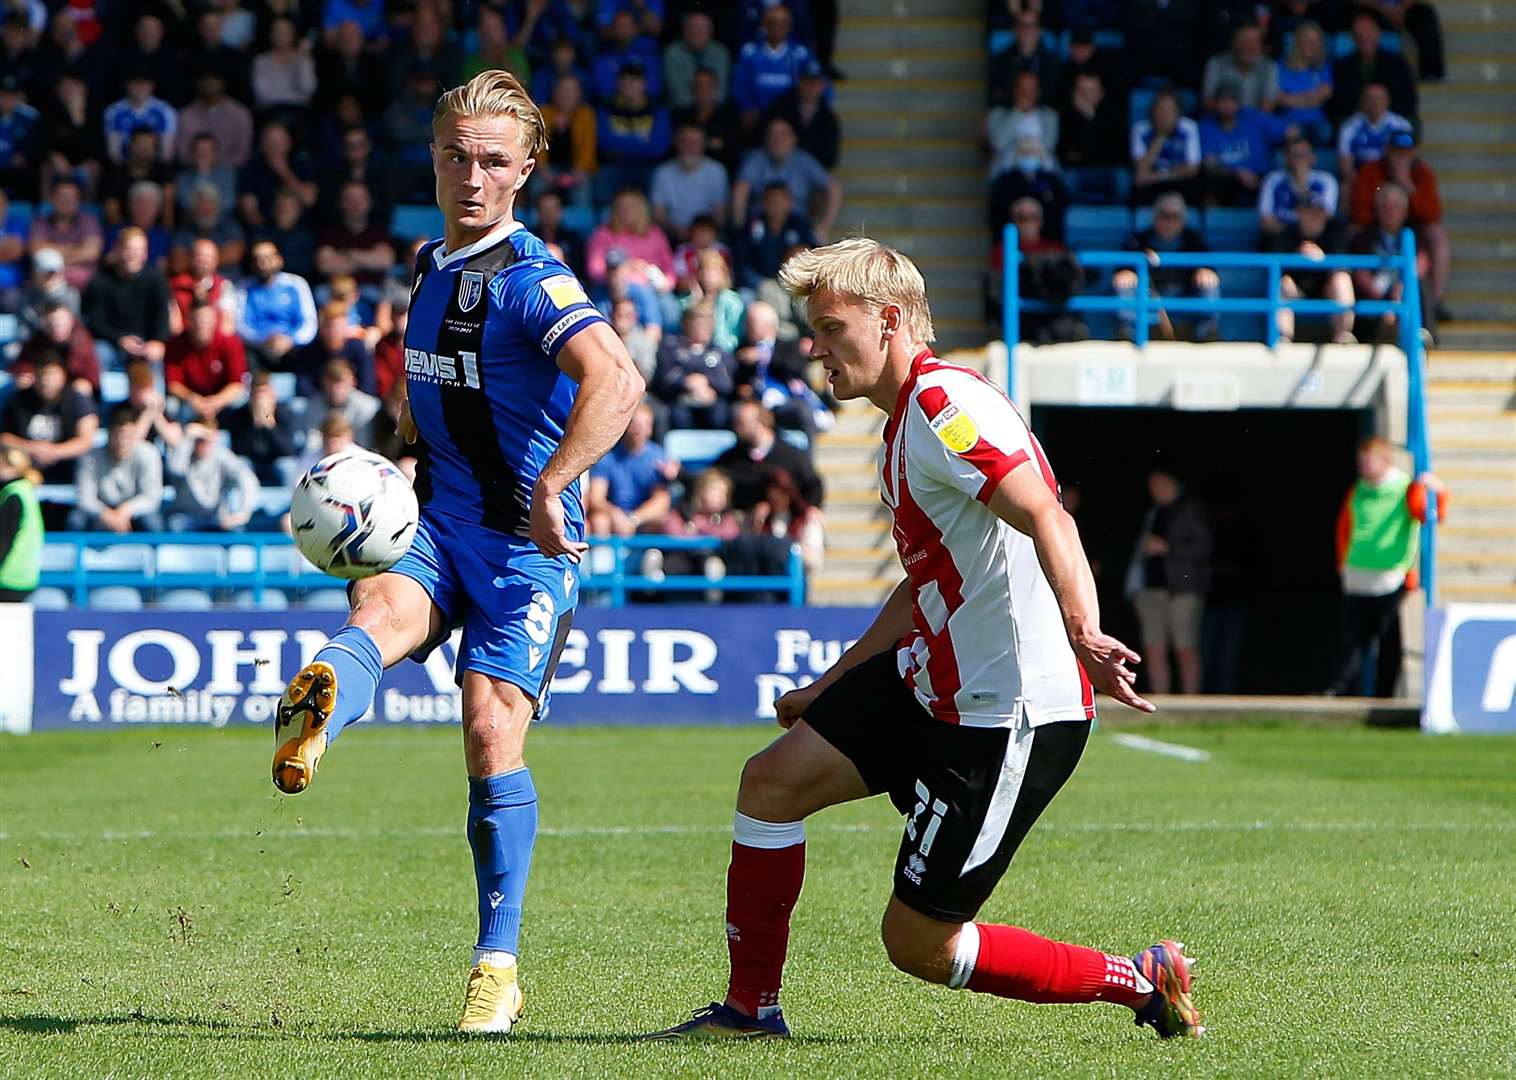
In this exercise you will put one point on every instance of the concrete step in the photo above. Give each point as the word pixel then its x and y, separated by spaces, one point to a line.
pixel 921 212
pixel 921 32
pixel 1475 593
pixel 912 61
pixel 856 511
pixel 874 534
pixel 1496 429
pixel 909 11
pixel 911 124
pixel 1458 188
pixel 1450 128
pixel 962 182
pixel 1472 303
pixel 964 96
pixel 1479 334
pixel 891 154
pixel 1443 154
pixel 1468 480
pixel 1462 366
pixel 1481 246
pixel 1493 406
pixel 829 591
pixel 1493 217
pixel 1485 397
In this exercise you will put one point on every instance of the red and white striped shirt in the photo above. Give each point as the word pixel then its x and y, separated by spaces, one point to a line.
pixel 988 646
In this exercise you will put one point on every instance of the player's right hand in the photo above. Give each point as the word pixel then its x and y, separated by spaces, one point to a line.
pixel 405 424
pixel 792 706
pixel 547 526
pixel 1105 662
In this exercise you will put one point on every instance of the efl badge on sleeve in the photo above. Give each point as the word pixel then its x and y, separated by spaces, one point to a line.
pixel 564 291
pixel 470 289
pixel 956 429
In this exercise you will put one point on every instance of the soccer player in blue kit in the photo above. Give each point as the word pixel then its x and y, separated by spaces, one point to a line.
pixel 516 387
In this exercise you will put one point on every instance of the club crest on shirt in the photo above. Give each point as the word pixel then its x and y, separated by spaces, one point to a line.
pixel 470 289
pixel 956 429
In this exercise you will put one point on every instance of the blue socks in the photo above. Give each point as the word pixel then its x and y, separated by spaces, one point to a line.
pixel 355 658
pixel 502 827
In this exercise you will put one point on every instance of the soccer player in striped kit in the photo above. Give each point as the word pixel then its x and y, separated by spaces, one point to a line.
pixel 516 387
pixel 968 700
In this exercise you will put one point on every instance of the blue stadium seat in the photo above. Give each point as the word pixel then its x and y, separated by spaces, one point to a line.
pixel 277 559
pixel 1342 43
pixel 186 599
pixel 10 329
pixel 1231 228
pixel 697 449
pixel 283 383
pixel 1097 228
pixel 178 560
pixel 798 439
pixel 273 600
pixel 580 219
pixel 274 500
pixel 324 600
pixel 115 598
pixel 115 387
pixel 1142 100
pixel 119 558
pixel 58 558
pixel 1242 281
pixel 49 599
pixel 410 222
pixel 23 211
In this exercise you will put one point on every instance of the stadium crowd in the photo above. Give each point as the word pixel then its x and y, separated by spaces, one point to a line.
pixel 210 209
pixel 1303 110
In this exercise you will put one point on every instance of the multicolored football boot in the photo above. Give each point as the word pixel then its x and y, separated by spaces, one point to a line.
pixel 492 1003
pixel 718 1021
pixel 1169 1011
pixel 300 726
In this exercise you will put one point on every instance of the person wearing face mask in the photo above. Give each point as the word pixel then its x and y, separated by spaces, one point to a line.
pixel 1033 176
pixel 1025 117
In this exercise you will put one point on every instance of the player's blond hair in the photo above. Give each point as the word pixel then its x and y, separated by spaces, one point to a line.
pixel 864 269
pixel 496 93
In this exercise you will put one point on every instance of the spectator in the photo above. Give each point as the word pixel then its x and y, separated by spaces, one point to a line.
pixel 783 513
pixel 408 127
pixel 1169 232
pixel 1167 580
pixel 1025 117
pixel 759 450
pixel 427 52
pixel 1371 64
pixel 205 167
pixel 1031 175
pixel 640 345
pixel 277 314
pixel 71 231
pixel 495 50
pixel 703 238
pixel 773 371
pixel 358 163
pixel 775 233
pixel 207 53
pixel 18 49
pixel 713 282
pixel 810 114
pixel 633 133
pixel 1417 19
pixel 624 46
pixel 782 161
pixel 144 398
pixel 1031 232
pixel 717 117
pixel 138 110
pixel 277 167
pixel 694 378
pixel 340 394
pixel 20 140
pixel 73 134
pixel 13 234
pixel 629 486
pixel 1030 52
pixel 1314 234
pixel 1305 85
pixel 1046 272
pixel 285 231
pixel 147 210
pixel 333 341
pixel 1087 58
pixel 696 49
pixel 143 164
pixel 1382 238
pixel 204 366
pixel 51 421
pixel 389 362
pixel 622 284
pixel 62 333
pixel 120 485
pixel 127 305
pixel 1246 69
pixel 47 286
pixel 1163 41
pixel 1237 147
pixel 200 283
pixel 563 60
pixel 284 76
pixel 149 53
pixel 1091 143
pixel 1284 189
pixel 1165 150
pixel 629 230
pixel 688 186
pixel 1401 165
pixel 214 489
pixel 708 511
pixel 333 436
pixel 366 17
pixel 1365 135
pixel 551 230
pixel 1378 536
pixel 345 66
pixel 768 68
pixel 568 165
pixel 20 526
pixel 208 219
pixel 262 430
pixel 213 113
pixel 357 244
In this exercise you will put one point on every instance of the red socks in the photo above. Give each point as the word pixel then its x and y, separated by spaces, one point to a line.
pixel 762 885
pixel 1016 963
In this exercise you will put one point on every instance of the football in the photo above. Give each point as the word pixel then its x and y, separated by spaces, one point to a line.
pixel 353 514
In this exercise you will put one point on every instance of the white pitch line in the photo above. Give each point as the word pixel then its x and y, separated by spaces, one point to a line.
pixel 1154 746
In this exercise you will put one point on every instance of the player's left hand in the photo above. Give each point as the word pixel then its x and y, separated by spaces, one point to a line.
pixel 1105 662
pixel 405 425
pixel 547 526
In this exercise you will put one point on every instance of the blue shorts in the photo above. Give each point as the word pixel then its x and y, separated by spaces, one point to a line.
pixel 515 604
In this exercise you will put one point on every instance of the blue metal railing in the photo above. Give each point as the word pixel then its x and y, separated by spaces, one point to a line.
pixel 262 575
pixel 1144 307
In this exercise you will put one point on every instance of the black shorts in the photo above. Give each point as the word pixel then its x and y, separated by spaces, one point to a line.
pixel 969 794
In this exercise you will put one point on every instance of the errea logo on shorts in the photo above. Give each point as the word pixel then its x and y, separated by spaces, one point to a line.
pixel 442 370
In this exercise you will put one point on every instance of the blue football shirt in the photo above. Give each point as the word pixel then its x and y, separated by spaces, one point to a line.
pixel 486 324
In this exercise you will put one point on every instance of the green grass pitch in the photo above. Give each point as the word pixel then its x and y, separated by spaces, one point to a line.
pixel 1351 895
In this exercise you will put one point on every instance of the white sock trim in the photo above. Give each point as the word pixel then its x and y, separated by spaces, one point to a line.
pixel 496 958
pixel 964 957
pixel 769 835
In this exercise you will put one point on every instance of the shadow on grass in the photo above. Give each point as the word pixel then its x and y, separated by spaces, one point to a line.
pixel 60 1025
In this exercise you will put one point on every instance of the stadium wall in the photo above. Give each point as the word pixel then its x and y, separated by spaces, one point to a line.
pixel 658 664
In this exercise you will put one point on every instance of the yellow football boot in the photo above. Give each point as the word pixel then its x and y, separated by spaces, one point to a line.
pixel 492 1004
pixel 300 726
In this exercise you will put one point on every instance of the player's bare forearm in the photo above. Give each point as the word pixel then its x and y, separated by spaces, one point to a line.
pixel 609 389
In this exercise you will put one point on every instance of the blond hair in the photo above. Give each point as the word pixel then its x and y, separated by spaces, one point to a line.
pixel 496 93
pixel 19 462
pixel 866 270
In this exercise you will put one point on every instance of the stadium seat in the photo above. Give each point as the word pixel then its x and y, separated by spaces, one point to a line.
pixel 10 329
pixel 1342 43
pixel 580 219
pixel 1142 101
pixel 274 501
pixel 284 383
pixel 115 387
pixel 273 600
pixel 1097 228
pixel 324 600
pixel 118 559
pixel 49 599
pixel 186 599
pixel 180 560
pixel 798 439
pixel 697 449
pixel 115 598
pixel 21 211
pixel 1231 228
pixel 277 559
pixel 410 222
pixel 58 557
